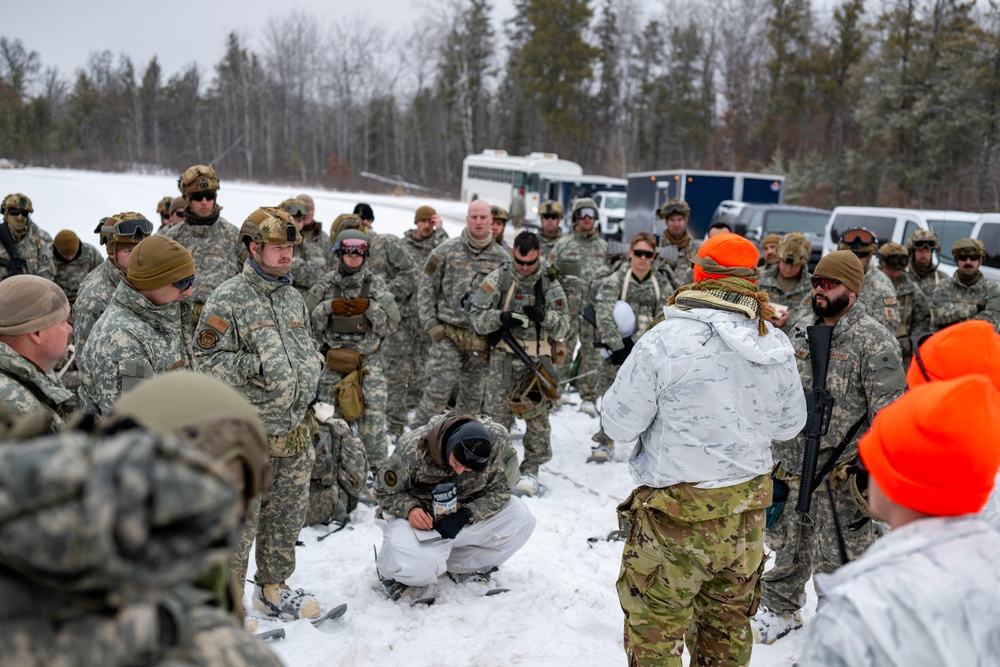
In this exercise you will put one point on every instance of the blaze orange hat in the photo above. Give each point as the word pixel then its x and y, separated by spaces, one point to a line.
pixel 724 256
pixel 936 450
pixel 961 349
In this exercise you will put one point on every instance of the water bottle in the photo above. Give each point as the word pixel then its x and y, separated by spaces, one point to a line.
pixel 445 497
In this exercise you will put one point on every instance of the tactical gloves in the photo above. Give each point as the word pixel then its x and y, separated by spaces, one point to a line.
pixel 348 307
pixel 514 320
pixel 535 313
pixel 451 524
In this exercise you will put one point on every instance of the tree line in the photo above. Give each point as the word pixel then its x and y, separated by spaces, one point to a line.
pixel 886 102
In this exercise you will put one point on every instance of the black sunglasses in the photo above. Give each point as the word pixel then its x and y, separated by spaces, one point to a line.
pixel 861 254
pixel 164 216
pixel 962 258
pixel 17 212
pixel 643 254
pixel 550 216
pixel 524 262
pixel 202 196
pixel 826 284
pixel 184 283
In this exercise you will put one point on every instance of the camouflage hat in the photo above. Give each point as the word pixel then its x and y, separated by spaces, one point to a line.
pixel 499 214
pixel 858 239
pixel 157 262
pixel 294 207
pixel 345 221
pixel 550 207
pixel 163 206
pixel 307 200
pixel 67 244
pixel 269 225
pixel 922 235
pixel 123 230
pixel 794 248
pixel 672 206
pixel 424 213
pixel 582 203
pixel 968 246
pixel 199 178
pixel 205 412
pixel 17 200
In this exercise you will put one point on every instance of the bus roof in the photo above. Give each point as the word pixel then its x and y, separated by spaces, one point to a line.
pixel 701 172
pixel 535 163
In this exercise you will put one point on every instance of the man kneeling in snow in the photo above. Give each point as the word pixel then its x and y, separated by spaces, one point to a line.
pixel 423 537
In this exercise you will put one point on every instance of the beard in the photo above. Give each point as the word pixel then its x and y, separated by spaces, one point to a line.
pixel 833 307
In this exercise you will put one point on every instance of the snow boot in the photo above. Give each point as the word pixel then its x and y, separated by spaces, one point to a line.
pixel 589 408
pixel 769 626
pixel 601 454
pixel 280 601
pixel 412 595
pixel 527 485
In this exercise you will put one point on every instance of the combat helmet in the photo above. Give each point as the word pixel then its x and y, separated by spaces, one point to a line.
pixel 351 237
pixel 163 206
pixel 794 248
pixel 199 178
pixel 123 230
pixel 922 238
pixel 968 246
pixel 295 207
pixel 581 204
pixel 672 206
pixel 550 207
pixel 269 224
pixel 345 221
pixel 16 201
pixel 893 256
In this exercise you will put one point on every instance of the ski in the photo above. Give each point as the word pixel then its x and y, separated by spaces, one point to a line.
pixel 496 591
pixel 277 633
pixel 336 612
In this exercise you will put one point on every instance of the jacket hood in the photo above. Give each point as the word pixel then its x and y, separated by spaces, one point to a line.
pixel 740 334
pixel 433 442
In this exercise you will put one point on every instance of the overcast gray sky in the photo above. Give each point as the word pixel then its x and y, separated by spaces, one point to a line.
pixel 65 32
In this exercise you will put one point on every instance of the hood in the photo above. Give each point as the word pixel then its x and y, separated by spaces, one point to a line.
pixel 433 442
pixel 740 334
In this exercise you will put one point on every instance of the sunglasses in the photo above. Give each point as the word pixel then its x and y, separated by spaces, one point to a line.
pixel 525 262
pixel 963 258
pixel 858 237
pixel 825 284
pixel 356 248
pixel 177 214
pixel 643 254
pixel 861 254
pixel 202 196
pixel 550 216
pixel 896 261
pixel 17 212
pixel 924 245
pixel 586 213
pixel 164 216
pixel 184 283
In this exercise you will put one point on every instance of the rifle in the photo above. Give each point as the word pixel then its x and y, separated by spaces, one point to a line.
pixel 819 406
pixel 548 387
pixel 16 265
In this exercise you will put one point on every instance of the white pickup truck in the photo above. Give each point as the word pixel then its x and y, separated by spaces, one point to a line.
pixel 610 213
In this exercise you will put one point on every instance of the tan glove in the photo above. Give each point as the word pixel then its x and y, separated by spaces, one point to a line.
pixel 436 332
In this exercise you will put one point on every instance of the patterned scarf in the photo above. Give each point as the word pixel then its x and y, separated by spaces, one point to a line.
pixel 734 295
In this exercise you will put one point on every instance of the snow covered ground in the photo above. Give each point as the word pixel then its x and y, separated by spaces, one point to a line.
pixel 562 609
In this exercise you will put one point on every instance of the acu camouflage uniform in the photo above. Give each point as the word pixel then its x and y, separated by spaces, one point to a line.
pixel 93 299
pixel 878 296
pixel 132 341
pixel 915 311
pixel 363 334
pixel 865 374
pixel 547 244
pixel 35 248
pixel 416 341
pixel 583 255
pixel 254 334
pixel 929 281
pixel 312 258
pixel 24 389
pixel 70 273
pixel 217 254
pixel 955 302
pixel 454 270
pixel 798 299
pixel 507 290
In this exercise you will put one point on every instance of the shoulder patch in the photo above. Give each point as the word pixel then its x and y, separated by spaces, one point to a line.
pixel 890 300
pixel 890 314
pixel 487 287
pixel 208 339
pixel 389 478
pixel 432 264
pixel 218 324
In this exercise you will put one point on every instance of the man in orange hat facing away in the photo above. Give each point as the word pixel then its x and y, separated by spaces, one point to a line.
pixel 701 396
pixel 928 593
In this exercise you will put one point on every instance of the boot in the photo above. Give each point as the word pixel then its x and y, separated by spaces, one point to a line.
pixel 769 626
pixel 280 601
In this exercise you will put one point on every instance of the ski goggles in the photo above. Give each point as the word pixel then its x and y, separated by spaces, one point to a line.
pixel 134 228
pixel 856 238
pixel 184 283
pixel 202 196
pixel 353 247
pixel 825 284
pixel 643 254
pixel 586 213
pixel 895 262
pixel 924 245
pixel 297 211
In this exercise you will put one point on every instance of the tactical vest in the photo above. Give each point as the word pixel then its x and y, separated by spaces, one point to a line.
pixel 351 324
pixel 538 345
pixel 642 321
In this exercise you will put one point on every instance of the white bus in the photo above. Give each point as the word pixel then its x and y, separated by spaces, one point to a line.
pixel 499 178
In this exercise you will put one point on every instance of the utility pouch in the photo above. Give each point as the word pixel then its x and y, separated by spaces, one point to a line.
pixel 349 395
pixel 349 324
pixel 343 361
pixel 778 498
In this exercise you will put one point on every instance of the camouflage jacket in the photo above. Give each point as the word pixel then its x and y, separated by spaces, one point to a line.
pixel 915 312
pixel 389 258
pixel 25 389
pixel 421 249
pixel 93 299
pixel 646 297
pixel 452 273
pixel 943 567
pixel 865 374
pixel 254 334
pixel 376 323
pixel 581 255
pixel 954 302
pixel 879 299
pixel 216 250
pixel 798 299
pixel 132 341
pixel 490 300
pixel 417 466
pixel 70 274
pixel 548 244
pixel 929 282
pixel 35 248
pixel 689 250
pixel 312 259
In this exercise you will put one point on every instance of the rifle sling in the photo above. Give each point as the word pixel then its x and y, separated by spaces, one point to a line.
pixel 8 244
pixel 841 446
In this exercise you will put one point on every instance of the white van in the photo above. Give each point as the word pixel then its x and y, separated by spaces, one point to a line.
pixel 610 213
pixel 888 224
pixel 987 230
pixel 950 226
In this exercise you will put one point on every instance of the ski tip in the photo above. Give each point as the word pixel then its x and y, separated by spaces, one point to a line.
pixel 496 591
pixel 336 612
pixel 277 633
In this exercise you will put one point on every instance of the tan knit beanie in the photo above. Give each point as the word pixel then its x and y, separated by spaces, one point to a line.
pixel 769 239
pixel 424 213
pixel 158 261
pixel 307 200
pixel 177 204
pixel 30 303
pixel 845 266
pixel 67 244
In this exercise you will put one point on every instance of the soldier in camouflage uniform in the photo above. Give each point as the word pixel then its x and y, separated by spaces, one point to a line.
pixel 645 291
pixel 583 254
pixel 922 244
pixel 879 296
pixel 125 594
pixel 865 374
pixel 34 333
pixel 914 307
pixel 788 281
pixel 967 295
pixel 406 372
pixel 141 334
pixel 550 213
pixel 499 226
pixel 485 530
pixel 74 261
pixel 677 245
pixel 454 270
pixel 211 239
pixel 352 315
pixel 532 308
pixel 695 546
pixel 32 245
pixel 163 210
pixel 119 234
pixel 254 334
pixel 312 257
pixel 925 594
